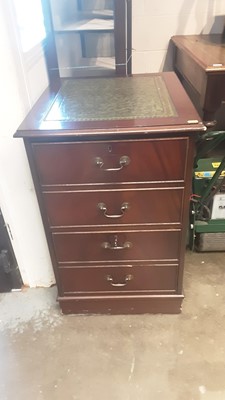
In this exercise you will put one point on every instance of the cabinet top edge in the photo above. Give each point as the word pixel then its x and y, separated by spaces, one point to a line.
pixel 171 112
pixel 208 51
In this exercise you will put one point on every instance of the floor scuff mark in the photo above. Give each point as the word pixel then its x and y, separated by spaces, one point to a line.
pixel 131 369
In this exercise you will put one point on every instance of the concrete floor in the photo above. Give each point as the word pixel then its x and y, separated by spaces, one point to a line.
pixel 47 356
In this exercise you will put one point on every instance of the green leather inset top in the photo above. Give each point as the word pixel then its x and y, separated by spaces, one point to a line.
pixel 104 99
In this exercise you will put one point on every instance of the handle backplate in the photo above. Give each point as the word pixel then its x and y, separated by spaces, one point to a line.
pixel 115 246
pixel 127 278
pixel 123 162
pixel 123 208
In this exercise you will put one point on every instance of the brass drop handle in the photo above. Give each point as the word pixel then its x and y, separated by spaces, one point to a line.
pixel 123 208
pixel 124 161
pixel 127 278
pixel 115 246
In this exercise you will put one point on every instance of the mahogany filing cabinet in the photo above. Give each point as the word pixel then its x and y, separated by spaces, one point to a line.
pixel 111 160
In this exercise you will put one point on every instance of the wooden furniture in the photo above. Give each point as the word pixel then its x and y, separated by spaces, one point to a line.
pixel 87 37
pixel 111 160
pixel 200 61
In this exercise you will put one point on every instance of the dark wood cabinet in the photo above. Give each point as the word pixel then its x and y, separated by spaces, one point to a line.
pixel 113 180
pixel 200 63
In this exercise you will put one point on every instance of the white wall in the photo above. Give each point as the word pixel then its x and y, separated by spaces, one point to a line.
pixel 155 21
pixel 22 80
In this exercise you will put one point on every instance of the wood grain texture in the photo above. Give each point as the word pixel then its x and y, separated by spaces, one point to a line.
pixel 142 279
pixel 121 304
pixel 87 247
pixel 208 51
pixel 144 206
pixel 200 60
pixel 75 163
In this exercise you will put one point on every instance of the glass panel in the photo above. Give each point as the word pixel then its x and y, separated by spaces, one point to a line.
pixel 84 37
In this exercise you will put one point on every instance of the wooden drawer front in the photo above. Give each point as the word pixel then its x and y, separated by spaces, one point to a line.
pixel 75 163
pixel 118 279
pixel 107 246
pixel 113 207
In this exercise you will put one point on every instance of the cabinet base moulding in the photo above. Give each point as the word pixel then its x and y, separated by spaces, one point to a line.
pixel 121 305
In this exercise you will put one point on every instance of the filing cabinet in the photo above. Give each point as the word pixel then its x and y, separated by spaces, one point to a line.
pixel 114 197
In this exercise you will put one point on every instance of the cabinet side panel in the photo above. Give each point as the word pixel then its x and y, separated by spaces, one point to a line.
pixel 29 152
pixel 185 207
